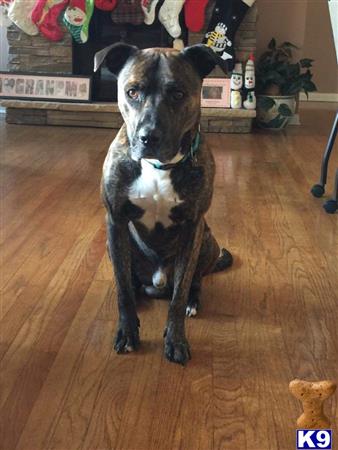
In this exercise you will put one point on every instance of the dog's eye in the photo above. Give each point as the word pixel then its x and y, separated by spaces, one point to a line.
pixel 177 95
pixel 133 94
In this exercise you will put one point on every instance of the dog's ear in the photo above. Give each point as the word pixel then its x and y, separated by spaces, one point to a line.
pixel 115 56
pixel 202 58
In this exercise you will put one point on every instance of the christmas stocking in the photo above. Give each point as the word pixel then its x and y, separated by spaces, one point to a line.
pixel 46 15
pixel 128 11
pixel 19 13
pixel 5 21
pixel 149 7
pixel 77 18
pixel 194 14
pixel 169 16
pixel 105 5
pixel 222 28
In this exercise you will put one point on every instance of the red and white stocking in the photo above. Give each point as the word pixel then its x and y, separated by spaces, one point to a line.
pixel 194 14
pixel 46 15
pixel 169 16
pixel 149 7
pixel 19 13
pixel 5 21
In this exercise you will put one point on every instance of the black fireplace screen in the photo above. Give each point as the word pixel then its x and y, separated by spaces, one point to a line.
pixel 104 32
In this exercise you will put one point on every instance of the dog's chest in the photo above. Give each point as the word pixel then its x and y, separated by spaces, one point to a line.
pixel 154 193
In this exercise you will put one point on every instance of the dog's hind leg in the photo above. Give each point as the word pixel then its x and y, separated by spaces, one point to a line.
pixel 224 261
pixel 154 292
pixel 194 296
pixel 211 259
pixel 206 261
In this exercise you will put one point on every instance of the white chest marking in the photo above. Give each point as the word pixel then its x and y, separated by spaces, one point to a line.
pixel 154 192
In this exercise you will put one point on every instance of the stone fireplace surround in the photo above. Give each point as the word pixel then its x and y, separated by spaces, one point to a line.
pixel 36 54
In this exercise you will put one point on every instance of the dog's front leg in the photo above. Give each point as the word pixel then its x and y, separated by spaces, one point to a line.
pixel 175 344
pixel 127 336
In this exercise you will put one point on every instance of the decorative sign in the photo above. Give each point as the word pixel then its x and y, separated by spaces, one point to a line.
pixel 27 86
pixel 216 93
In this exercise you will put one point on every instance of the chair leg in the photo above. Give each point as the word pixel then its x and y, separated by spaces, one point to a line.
pixel 331 205
pixel 319 189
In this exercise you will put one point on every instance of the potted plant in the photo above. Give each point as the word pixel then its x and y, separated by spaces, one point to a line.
pixel 278 81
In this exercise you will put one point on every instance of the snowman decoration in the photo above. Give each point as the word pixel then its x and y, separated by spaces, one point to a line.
pixel 236 84
pixel 249 84
pixel 218 40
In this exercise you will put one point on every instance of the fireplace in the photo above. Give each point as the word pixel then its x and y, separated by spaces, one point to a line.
pixel 102 33
pixel 36 54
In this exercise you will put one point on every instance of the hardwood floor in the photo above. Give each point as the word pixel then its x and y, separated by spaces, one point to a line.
pixel 269 319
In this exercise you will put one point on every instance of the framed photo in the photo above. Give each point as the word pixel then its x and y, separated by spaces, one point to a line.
pixel 215 93
pixel 29 86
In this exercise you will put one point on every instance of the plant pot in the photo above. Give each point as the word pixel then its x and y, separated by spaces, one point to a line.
pixel 275 111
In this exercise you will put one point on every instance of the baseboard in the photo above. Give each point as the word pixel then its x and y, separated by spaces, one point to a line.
pixel 319 97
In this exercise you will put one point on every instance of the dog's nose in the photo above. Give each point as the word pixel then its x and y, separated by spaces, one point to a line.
pixel 150 137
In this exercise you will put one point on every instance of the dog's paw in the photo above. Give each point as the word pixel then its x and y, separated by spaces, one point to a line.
pixel 127 338
pixel 191 310
pixel 177 351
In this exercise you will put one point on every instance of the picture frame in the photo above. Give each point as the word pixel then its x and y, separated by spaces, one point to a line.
pixel 52 87
pixel 215 93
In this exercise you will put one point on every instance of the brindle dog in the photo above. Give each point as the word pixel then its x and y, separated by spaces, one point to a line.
pixel 157 186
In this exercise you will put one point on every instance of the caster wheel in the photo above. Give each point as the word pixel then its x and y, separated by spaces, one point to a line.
pixel 317 190
pixel 331 206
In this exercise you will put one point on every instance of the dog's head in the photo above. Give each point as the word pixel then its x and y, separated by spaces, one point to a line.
pixel 158 95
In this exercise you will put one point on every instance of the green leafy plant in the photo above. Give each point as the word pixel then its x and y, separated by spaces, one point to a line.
pixel 277 74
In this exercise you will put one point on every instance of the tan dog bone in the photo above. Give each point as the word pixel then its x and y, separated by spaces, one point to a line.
pixel 312 396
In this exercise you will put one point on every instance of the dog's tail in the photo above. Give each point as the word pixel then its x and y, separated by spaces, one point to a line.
pixel 224 261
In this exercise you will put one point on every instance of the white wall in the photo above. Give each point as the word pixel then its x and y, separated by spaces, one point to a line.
pixel 3 48
pixel 307 24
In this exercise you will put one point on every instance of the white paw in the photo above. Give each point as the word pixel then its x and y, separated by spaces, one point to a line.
pixel 191 311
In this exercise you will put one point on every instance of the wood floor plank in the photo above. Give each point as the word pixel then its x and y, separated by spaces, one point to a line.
pixel 79 362
pixel 221 308
pixel 28 385
pixel 141 403
pixel 45 263
pixel 106 417
pixel 253 306
pixel 51 219
pixel 39 310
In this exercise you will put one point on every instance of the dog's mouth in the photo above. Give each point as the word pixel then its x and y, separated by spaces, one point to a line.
pixel 162 153
pixel 176 159
pixel 156 158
